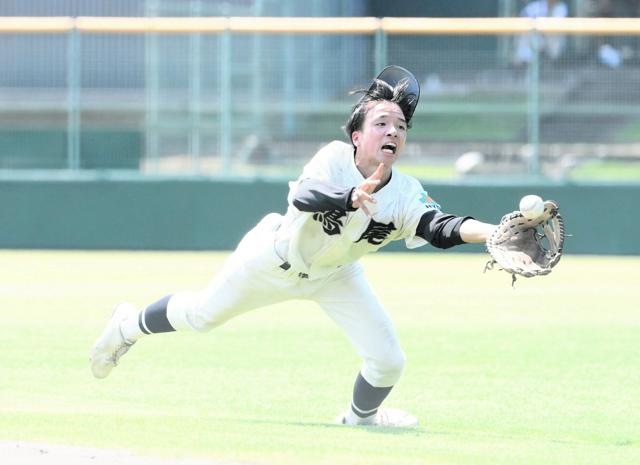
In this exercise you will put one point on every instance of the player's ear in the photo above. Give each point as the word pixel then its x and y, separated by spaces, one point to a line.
pixel 355 138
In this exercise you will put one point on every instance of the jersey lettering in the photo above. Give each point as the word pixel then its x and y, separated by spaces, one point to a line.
pixel 376 232
pixel 331 221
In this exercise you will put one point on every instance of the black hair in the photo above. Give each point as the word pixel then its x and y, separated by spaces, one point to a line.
pixel 379 90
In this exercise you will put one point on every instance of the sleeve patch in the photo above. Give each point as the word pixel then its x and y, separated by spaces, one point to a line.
pixel 428 202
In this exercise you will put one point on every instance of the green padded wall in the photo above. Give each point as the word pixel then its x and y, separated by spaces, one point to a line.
pixel 207 214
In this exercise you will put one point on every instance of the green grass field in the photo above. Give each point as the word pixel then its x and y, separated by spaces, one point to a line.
pixel 548 373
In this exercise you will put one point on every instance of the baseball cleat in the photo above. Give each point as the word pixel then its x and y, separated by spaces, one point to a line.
pixel 388 417
pixel 111 345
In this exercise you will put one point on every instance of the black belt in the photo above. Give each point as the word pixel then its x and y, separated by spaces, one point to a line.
pixel 286 265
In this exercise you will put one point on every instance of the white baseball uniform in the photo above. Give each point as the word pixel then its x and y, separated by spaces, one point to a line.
pixel 314 255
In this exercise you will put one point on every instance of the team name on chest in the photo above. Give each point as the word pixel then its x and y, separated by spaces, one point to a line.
pixel 333 222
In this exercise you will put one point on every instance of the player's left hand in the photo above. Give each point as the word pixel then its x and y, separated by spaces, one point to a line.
pixel 362 193
pixel 528 247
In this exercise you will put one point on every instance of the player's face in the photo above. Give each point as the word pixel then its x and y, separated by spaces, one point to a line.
pixel 382 137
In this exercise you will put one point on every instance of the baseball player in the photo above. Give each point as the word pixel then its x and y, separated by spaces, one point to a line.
pixel 348 201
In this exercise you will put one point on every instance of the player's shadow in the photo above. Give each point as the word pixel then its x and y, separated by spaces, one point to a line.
pixel 409 431
pixel 420 431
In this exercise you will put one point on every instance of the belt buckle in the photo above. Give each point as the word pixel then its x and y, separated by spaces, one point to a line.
pixel 286 266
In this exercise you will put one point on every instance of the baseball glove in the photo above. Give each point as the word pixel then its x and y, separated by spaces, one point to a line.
pixel 527 247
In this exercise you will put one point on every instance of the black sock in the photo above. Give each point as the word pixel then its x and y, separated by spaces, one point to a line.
pixel 367 398
pixel 153 319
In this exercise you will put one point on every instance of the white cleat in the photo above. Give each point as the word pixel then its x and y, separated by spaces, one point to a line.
pixel 111 345
pixel 387 417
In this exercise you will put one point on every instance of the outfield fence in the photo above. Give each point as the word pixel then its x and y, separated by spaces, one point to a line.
pixel 256 96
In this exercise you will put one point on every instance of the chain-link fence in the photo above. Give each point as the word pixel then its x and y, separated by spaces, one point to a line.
pixel 224 97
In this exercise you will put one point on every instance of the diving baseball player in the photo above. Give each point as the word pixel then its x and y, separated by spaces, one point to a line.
pixel 348 201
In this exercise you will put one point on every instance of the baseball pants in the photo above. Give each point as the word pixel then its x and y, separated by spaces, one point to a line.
pixel 253 277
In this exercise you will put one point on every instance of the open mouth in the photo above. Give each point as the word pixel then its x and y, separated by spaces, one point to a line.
pixel 389 148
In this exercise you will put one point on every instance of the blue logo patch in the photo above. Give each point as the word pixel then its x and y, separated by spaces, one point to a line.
pixel 428 201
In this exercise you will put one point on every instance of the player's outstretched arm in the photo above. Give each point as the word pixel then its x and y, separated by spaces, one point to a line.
pixel 474 231
pixel 444 230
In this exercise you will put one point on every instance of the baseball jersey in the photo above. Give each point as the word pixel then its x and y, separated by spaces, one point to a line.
pixel 317 243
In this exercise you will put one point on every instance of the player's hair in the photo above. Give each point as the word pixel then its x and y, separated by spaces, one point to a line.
pixel 379 90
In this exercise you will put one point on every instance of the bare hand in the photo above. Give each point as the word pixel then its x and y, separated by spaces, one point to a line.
pixel 362 193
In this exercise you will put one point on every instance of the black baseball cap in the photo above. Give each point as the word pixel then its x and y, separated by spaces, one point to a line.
pixel 392 75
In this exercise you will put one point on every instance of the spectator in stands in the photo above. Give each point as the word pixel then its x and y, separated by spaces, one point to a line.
pixel 613 50
pixel 550 46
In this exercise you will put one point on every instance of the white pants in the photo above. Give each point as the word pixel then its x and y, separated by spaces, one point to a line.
pixel 252 278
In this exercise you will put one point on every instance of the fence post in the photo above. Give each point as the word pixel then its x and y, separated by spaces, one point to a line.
pixel 195 86
pixel 226 112
pixel 73 99
pixel 289 71
pixel 152 90
pixel 533 106
pixel 380 47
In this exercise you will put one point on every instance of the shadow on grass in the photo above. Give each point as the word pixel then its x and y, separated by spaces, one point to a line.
pixel 425 432
pixel 413 431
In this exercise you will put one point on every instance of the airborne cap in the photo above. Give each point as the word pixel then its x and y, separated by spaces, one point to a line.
pixel 393 75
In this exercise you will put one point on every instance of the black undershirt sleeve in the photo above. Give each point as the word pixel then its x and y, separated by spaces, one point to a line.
pixel 441 230
pixel 314 195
